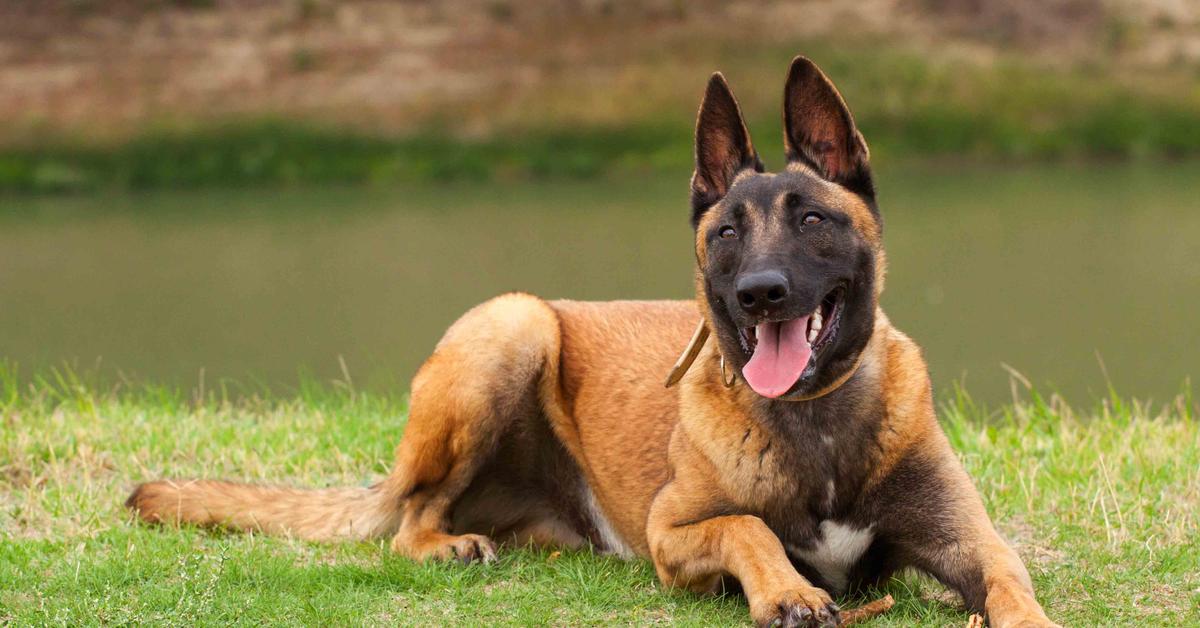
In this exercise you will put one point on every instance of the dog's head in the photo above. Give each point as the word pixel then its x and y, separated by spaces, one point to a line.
pixel 790 264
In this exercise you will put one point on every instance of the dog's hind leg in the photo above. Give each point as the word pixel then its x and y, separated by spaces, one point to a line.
pixel 485 373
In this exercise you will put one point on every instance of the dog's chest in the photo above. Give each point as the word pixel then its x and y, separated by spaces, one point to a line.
pixel 820 523
pixel 834 551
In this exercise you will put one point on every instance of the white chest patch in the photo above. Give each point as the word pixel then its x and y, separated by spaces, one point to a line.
pixel 839 548
pixel 608 534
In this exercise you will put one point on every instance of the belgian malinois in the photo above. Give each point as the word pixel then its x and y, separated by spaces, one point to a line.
pixel 798 455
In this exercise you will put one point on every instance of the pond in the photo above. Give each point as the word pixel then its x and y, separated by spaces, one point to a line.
pixel 1076 276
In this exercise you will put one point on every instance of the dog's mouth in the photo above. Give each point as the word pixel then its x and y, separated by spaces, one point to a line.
pixel 784 352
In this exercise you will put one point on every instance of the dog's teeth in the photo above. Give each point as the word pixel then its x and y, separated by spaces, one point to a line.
pixel 814 327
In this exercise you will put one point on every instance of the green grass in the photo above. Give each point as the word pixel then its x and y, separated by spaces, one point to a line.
pixel 1104 506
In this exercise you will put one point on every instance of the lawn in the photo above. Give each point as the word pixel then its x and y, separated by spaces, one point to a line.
pixel 1104 506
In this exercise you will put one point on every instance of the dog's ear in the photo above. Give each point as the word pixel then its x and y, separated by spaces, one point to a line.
pixel 723 147
pixel 819 131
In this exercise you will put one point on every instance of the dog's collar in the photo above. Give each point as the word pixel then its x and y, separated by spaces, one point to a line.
pixel 700 336
pixel 689 354
pixel 836 384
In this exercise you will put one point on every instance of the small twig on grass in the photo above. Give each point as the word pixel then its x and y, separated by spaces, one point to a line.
pixel 868 610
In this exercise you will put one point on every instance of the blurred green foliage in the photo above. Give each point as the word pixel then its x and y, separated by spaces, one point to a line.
pixel 276 152
pixel 908 107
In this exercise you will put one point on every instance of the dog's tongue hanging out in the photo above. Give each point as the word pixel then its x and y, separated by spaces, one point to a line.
pixel 779 357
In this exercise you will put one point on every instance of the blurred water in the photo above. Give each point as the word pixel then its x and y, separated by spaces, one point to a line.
pixel 1040 268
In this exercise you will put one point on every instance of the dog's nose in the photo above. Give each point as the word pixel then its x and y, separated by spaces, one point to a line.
pixel 757 292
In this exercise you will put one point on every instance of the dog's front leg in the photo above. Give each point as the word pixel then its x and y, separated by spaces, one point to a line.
pixel 694 553
pixel 986 562
pixel 981 564
pixel 956 543
pixel 1010 599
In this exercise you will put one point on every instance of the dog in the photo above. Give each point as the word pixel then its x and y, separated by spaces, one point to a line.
pixel 796 453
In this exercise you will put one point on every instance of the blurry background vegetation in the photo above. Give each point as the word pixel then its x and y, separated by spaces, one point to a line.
pixel 200 191
pixel 158 93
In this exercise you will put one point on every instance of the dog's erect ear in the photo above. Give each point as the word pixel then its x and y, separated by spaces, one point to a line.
pixel 819 131
pixel 723 147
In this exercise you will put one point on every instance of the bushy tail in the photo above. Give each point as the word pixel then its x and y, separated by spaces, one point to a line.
pixel 310 514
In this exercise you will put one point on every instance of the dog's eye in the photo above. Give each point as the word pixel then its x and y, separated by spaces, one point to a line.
pixel 812 218
pixel 727 232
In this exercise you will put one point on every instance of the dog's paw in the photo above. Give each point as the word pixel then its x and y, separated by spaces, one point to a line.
pixel 465 548
pixel 799 608
pixel 469 548
pixel 1031 620
pixel 1037 621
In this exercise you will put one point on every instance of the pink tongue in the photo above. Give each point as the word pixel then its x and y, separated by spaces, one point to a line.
pixel 779 357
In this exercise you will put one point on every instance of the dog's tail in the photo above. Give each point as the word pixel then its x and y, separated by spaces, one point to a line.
pixel 310 514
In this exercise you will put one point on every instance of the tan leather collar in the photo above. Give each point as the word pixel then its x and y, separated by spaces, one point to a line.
pixel 836 384
pixel 689 354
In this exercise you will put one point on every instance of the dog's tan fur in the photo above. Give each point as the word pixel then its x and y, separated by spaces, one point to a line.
pixel 527 405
